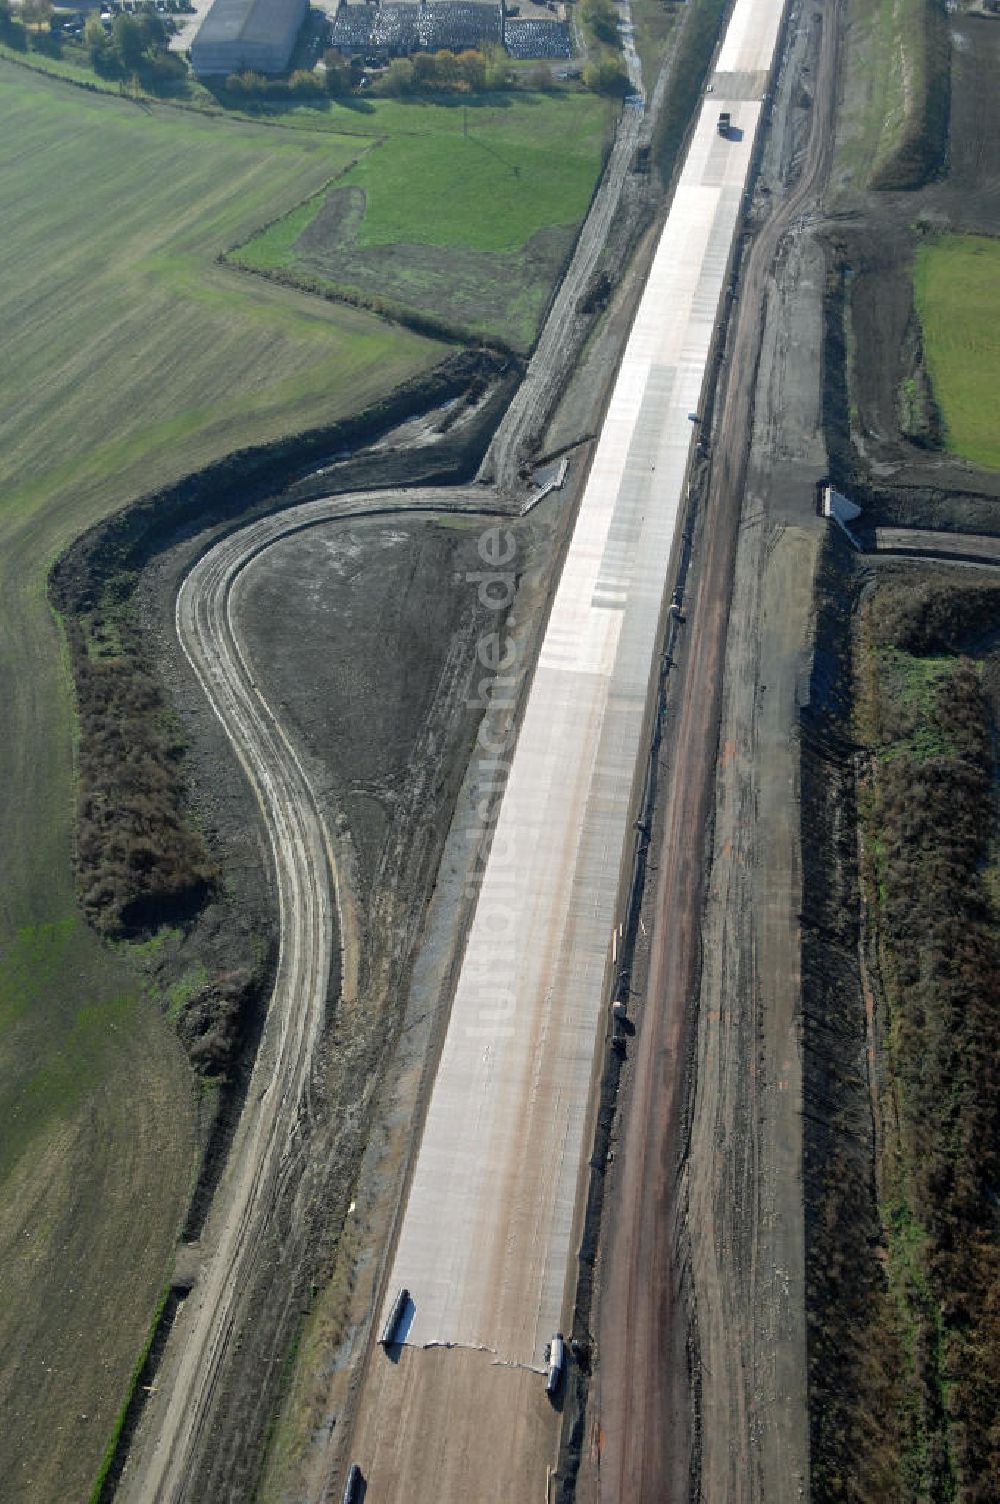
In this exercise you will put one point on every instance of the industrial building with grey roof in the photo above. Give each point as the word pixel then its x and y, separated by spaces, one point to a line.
pixel 248 34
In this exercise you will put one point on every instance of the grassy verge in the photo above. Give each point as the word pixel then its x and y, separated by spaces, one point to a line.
pixel 957 289
pixel 926 715
pixel 895 128
pixel 452 217
pixel 99 1491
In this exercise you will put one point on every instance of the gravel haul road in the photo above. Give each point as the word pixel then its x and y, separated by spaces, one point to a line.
pixel 265 1152
pixel 702 1287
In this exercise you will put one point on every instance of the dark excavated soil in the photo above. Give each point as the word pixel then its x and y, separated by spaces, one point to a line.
pixel 367 631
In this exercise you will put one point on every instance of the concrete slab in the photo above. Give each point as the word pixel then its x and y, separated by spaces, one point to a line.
pixel 751 36
pixel 486 1238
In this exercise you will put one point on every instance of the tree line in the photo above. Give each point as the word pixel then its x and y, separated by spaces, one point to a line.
pixel 474 71
pixel 135 46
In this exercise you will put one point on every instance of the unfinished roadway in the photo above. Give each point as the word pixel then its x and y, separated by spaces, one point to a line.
pixel 317 926
pixel 703 1378
pixel 488 1238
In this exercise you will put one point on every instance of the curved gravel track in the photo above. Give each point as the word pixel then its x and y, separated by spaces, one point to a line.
pixel 267 1146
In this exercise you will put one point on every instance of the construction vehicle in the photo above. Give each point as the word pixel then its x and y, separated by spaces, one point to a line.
pixel 557 1359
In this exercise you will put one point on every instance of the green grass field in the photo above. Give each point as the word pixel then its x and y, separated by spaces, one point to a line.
pixel 957 287
pixel 467 214
pixel 130 358
pixel 893 123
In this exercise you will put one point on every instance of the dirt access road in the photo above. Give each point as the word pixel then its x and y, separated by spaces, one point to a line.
pixel 533 402
pixel 701 1336
pixel 316 922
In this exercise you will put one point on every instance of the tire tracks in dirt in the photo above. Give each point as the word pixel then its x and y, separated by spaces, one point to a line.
pixel 316 910
pixel 647 1444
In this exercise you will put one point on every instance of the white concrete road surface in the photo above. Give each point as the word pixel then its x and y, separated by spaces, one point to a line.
pixel 487 1237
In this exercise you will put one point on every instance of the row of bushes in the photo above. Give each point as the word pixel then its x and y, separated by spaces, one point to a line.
pixel 470 72
pixel 139 861
pixel 467 72
pixel 927 821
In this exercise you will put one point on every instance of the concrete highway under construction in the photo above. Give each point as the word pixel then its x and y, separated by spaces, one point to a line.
pixel 493 1149
pixel 532 734
pixel 488 1238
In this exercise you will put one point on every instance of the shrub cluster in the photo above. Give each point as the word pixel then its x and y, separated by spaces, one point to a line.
pixel 139 863
pixel 211 1021
pixel 473 72
pixel 469 72
pixel 931 617
pixel 929 827
pixel 29 26
pixel 135 47
pixel 600 18
pixel 607 74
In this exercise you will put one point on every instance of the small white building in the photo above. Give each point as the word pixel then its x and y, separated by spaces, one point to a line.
pixel 247 34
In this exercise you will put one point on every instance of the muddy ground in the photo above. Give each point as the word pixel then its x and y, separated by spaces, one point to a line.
pixel 701 1387
pixel 364 636
pixel 872 347
pixel 317 1416
pixel 766 1209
